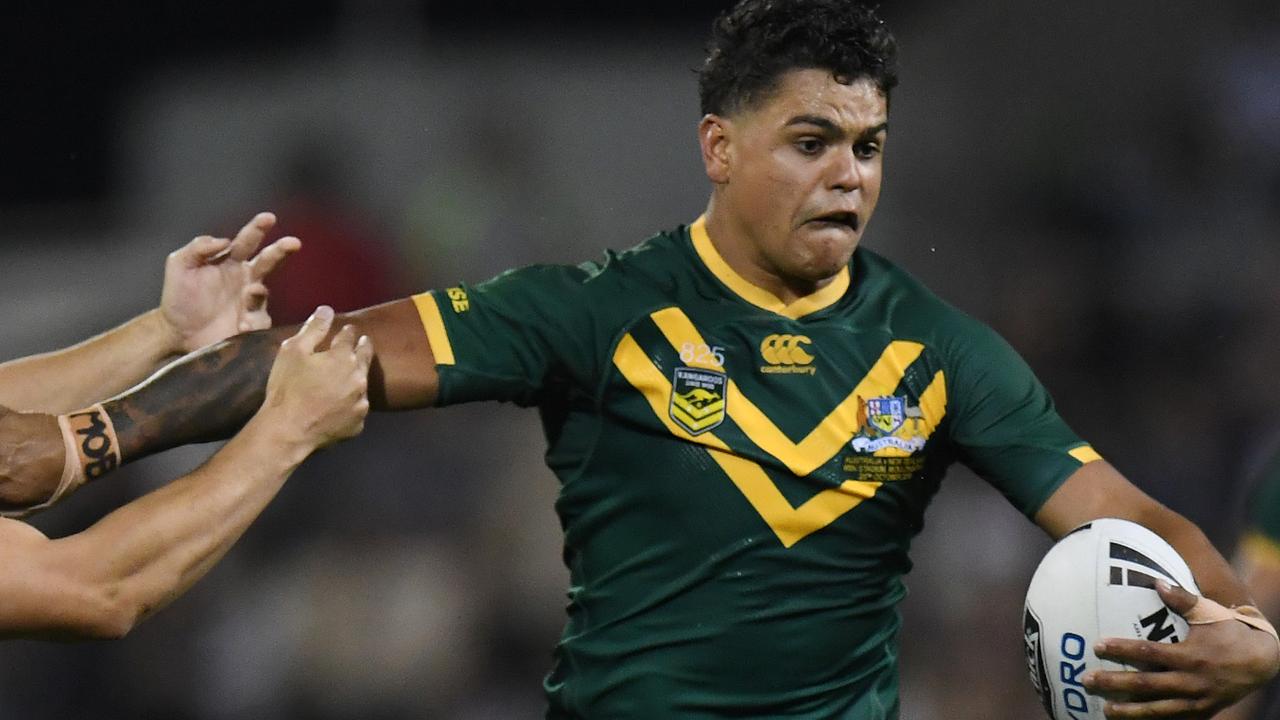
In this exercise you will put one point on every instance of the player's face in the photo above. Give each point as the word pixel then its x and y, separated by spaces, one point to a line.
pixel 803 173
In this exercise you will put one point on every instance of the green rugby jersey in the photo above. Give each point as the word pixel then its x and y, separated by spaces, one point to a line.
pixel 741 479
pixel 1264 513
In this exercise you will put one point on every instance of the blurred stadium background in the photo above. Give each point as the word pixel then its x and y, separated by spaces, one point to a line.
pixel 1099 181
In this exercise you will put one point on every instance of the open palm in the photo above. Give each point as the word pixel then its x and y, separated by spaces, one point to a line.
pixel 213 287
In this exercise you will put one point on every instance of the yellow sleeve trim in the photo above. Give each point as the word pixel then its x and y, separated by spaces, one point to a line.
pixel 1084 454
pixel 429 313
pixel 1261 548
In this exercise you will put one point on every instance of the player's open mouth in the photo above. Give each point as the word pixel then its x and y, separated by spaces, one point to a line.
pixel 846 220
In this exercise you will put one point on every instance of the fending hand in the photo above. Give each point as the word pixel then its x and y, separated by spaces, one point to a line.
pixel 1217 665
pixel 213 287
pixel 319 397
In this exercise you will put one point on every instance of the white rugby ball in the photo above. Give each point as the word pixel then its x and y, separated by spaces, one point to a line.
pixel 1097 582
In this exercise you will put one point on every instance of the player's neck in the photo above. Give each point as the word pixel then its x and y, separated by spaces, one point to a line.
pixel 734 246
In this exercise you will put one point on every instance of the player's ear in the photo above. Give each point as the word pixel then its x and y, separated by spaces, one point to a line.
pixel 713 137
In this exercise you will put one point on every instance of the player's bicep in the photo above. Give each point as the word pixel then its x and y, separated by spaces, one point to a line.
pixel 1093 491
pixel 512 338
pixel 403 374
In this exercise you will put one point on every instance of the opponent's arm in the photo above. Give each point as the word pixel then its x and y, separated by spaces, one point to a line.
pixel 208 396
pixel 67 379
pixel 103 581
pixel 212 289
pixel 1220 662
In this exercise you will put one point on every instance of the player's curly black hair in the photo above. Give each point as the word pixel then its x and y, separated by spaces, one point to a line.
pixel 757 41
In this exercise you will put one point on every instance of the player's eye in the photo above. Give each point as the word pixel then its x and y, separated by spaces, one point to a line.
pixel 866 150
pixel 809 145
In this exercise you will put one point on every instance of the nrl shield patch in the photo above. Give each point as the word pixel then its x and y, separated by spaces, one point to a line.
pixel 698 399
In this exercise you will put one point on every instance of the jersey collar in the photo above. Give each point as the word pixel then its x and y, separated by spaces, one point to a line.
pixel 758 296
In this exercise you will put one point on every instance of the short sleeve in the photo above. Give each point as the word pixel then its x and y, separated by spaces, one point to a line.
pixel 1005 426
pixel 510 338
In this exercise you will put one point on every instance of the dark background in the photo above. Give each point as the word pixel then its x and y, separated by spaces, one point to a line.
pixel 1098 181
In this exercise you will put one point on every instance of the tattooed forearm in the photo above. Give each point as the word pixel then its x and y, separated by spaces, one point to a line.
pixel 202 397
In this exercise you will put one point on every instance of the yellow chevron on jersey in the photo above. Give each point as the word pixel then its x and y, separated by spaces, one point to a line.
pixel 840 425
pixel 791 524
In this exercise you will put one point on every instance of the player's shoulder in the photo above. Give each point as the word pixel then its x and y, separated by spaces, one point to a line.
pixel 652 266
pixel 905 304
pixel 614 281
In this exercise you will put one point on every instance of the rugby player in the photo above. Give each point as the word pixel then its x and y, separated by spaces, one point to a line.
pixel 748 416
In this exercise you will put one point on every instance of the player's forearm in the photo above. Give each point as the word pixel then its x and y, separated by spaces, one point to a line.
pixel 205 396
pixel 208 395
pixel 149 552
pixel 1097 490
pixel 74 377
pixel 1213 573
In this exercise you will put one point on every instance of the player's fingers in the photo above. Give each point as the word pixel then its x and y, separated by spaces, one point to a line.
pixel 253 298
pixel 345 340
pixel 364 354
pixel 254 321
pixel 1178 599
pixel 1145 685
pixel 200 251
pixel 313 330
pixel 1169 708
pixel 253 308
pixel 251 235
pixel 272 255
pixel 1144 653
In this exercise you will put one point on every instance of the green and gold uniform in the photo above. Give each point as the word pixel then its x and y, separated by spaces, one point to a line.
pixel 741 479
pixel 1264 513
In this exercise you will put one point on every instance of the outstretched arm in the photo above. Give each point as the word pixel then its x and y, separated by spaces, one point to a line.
pixel 103 581
pixel 211 394
pixel 213 289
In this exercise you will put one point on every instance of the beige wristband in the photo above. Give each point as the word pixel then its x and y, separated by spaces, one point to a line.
pixel 1206 612
pixel 92 448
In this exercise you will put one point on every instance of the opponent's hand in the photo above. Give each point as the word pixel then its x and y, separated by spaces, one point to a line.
pixel 319 397
pixel 1217 665
pixel 213 286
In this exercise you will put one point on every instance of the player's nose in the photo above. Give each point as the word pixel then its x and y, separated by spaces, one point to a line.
pixel 844 172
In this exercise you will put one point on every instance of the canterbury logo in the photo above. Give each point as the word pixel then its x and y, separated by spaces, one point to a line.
pixel 786 350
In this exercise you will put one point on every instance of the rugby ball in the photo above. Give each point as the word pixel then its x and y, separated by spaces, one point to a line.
pixel 1097 582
